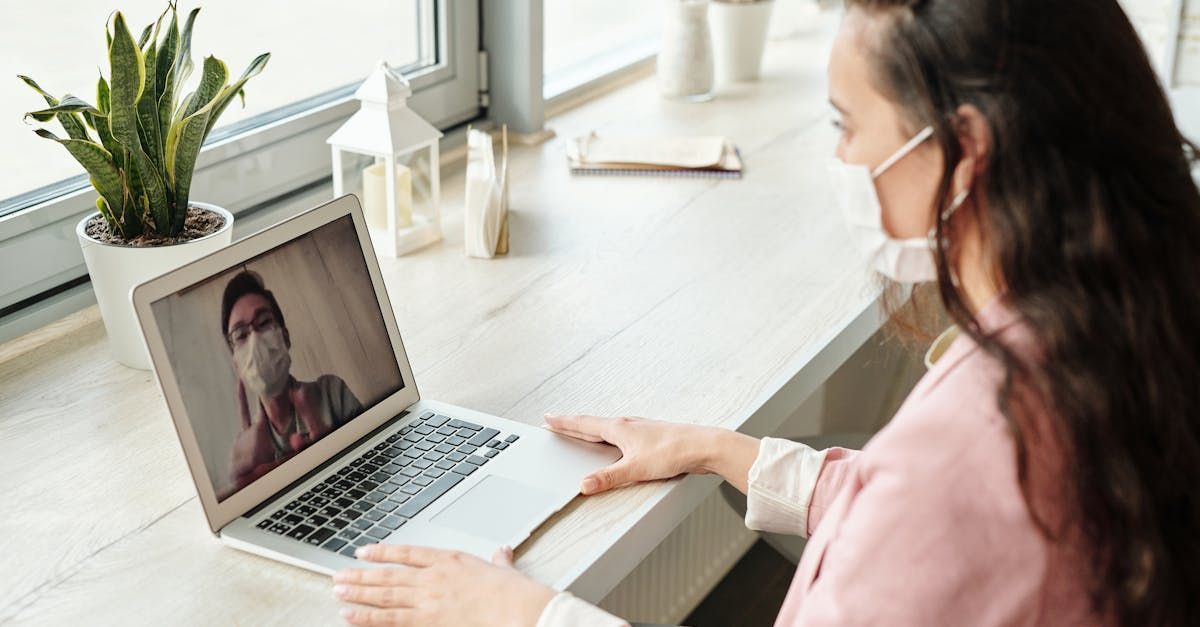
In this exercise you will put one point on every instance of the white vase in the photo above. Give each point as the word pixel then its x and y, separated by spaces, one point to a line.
pixel 685 61
pixel 739 35
pixel 116 270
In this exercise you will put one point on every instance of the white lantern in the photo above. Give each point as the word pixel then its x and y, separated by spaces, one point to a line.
pixel 401 189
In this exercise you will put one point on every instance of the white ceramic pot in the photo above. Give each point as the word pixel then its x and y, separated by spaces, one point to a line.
pixel 739 35
pixel 116 270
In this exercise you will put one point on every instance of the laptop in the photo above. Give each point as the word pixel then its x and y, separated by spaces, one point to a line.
pixel 286 377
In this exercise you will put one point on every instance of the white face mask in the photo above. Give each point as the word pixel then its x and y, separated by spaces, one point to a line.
pixel 264 363
pixel 903 260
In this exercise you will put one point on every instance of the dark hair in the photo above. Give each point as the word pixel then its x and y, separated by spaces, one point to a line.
pixel 1091 221
pixel 243 283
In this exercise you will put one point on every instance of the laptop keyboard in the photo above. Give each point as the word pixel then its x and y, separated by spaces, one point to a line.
pixel 375 494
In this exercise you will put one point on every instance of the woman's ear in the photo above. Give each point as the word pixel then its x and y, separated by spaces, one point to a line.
pixel 975 138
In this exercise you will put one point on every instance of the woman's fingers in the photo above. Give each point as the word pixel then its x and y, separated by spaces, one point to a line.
pixel 398 576
pixel 503 557
pixel 613 476
pixel 574 434
pixel 373 617
pixel 593 426
pixel 419 556
pixel 378 596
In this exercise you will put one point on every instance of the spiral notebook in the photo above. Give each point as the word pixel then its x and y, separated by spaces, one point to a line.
pixel 689 157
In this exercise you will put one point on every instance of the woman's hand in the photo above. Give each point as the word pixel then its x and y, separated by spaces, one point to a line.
pixel 439 587
pixel 652 450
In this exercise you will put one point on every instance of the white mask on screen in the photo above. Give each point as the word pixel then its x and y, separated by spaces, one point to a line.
pixel 903 260
pixel 264 362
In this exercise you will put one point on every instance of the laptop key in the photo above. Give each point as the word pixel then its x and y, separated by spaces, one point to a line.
pixel 444 448
pixel 319 536
pixel 379 533
pixel 386 506
pixel 437 420
pixel 501 446
pixel 445 464
pixel 361 524
pixel 388 488
pixel 435 438
pixel 293 519
pixel 447 431
pixel 478 461
pixel 298 532
pixel 279 528
pixel 433 456
pixel 468 449
pixel 493 443
pixel 490 453
pixel 355 493
pixel 434 472
pixel 456 456
pixel 337 523
pixel 512 438
pixel 425 415
pixel 362 506
pixel 455 440
pixel 411 489
pixel 334 544
pixel 264 523
pixel 422 481
pixel 483 436
pixel 465 469
pixel 462 424
pixel 423 446
pixel 373 515
pixel 380 477
pixel 348 551
pixel 369 485
pixel 424 429
pixel 351 514
pixel 392 522
pixel 422 464
pixel 344 502
pixel 410 472
pixel 318 501
pixel 429 495
pixel 363 540
pixel 349 534
pixel 317 520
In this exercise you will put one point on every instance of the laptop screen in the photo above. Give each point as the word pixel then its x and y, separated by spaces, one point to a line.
pixel 278 352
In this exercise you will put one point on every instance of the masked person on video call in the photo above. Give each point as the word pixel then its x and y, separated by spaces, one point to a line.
pixel 1021 156
pixel 287 414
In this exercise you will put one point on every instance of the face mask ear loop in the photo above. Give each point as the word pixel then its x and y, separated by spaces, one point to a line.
pixel 959 199
pixel 917 140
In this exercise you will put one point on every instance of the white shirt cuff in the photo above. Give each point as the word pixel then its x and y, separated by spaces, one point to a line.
pixel 567 610
pixel 781 484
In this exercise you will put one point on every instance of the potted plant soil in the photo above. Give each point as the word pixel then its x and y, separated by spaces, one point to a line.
pixel 139 143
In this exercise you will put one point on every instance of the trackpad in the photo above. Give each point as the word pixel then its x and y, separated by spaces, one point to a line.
pixel 496 509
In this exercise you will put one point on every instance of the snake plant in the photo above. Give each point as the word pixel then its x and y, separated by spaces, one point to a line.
pixel 140 141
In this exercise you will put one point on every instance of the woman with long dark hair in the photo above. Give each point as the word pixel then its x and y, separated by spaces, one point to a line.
pixel 1021 154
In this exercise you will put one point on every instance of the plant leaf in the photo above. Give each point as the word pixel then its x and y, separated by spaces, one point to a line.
pixel 128 81
pixel 102 96
pixel 145 37
pixel 100 167
pixel 164 82
pixel 216 75
pixel 211 84
pixel 69 104
pixel 147 112
pixel 71 122
pixel 183 61
pixel 226 96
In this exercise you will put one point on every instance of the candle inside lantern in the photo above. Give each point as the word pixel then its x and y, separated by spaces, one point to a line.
pixel 375 196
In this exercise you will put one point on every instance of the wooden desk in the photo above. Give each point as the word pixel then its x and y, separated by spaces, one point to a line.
pixel 718 302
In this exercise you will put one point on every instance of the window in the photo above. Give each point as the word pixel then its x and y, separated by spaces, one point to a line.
pixel 587 39
pixel 273 147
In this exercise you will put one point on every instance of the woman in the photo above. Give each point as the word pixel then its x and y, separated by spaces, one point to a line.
pixel 1021 154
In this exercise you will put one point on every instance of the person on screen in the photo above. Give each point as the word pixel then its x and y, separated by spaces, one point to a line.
pixel 279 414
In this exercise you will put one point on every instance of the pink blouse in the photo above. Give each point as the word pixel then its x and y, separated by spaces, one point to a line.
pixel 926 525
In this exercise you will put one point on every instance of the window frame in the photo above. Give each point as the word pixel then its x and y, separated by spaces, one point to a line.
pixel 240 168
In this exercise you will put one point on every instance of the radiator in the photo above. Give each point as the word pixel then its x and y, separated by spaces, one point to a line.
pixel 677 575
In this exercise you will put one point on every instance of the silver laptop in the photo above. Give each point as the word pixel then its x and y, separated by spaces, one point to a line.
pixel 286 378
